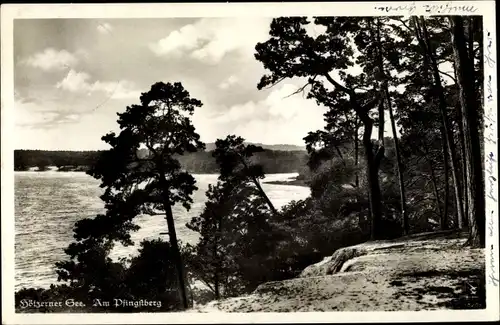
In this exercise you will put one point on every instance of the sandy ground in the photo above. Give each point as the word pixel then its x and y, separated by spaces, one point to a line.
pixel 424 272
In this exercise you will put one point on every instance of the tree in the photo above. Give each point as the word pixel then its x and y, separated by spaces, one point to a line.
pixel 336 140
pixel 422 152
pixel 429 102
pixel 292 53
pixel 43 164
pixel 459 45
pixel 235 235
pixel 233 158
pixel 210 259
pixel 150 181
pixel 384 51
pixel 429 53
pixel 464 68
pixel 93 276
pixel 149 277
pixel 90 272
pixel 233 221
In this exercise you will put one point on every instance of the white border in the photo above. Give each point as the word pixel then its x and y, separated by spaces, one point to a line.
pixel 11 12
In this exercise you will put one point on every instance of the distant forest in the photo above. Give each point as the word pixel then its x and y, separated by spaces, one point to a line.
pixel 273 161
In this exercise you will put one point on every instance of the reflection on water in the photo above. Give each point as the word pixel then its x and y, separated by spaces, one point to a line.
pixel 47 204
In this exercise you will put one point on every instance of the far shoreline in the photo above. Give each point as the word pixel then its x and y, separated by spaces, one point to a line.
pixel 291 181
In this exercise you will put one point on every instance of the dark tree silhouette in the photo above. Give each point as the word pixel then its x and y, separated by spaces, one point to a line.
pixel 235 234
pixel 151 181
pixel 291 52
pixel 464 69
pixel 233 157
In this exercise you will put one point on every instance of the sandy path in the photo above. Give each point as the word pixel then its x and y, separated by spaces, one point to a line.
pixel 417 274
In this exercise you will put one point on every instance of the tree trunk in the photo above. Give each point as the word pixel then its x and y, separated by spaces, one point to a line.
pixel 264 195
pixel 463 166
pixel 444 117
pixel 381 123
pixel 218 267
pixel 480 64
pixel 216 285
pixel 385 86
pixel 356 163
pixel 216 271
pixel 372 168
pixel 372 160
pixel 173 242
pixel 444 219
pixel 470 41
pixel 261 190
pixel 470 122
pixel 175 246
pixel 406 226
pixel 356 152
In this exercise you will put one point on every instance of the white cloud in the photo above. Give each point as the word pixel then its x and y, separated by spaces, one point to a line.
pixel 116 89
pixel 30 114
pixel 67 134
pixel 74 81
pixel 239 112
pixel 73 116
pixel 105 28
pixel 279 118
pixel 282 103
pixel 210 39
pixel 79 82
pixel 186 38
pixel 228 82
pixel 51 59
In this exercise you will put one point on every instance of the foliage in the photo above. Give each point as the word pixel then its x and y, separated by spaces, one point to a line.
pixel 391 52
pixel 24 159
pixel 95 279
pixel 236 166
pixel 236 236
pixel 137 184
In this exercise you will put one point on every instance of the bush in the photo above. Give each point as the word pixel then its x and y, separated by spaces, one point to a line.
pixel 308 235
pixel 94 280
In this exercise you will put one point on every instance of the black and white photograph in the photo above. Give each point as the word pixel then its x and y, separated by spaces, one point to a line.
pixel 275 162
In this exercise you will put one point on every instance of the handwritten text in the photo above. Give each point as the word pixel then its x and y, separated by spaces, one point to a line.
pixel 444 9
pixel 488 55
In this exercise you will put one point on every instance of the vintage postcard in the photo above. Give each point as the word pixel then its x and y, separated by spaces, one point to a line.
pixel 249 162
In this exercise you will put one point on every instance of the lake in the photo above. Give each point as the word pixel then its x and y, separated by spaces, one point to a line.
pixel 47 205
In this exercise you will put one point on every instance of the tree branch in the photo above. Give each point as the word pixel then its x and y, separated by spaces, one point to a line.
pixel 422 200
pixel 340 155
pixel 274 83
pixel 448 75
pixel 301 89
pixel 336 84
pixel 379 155
pixel 412 182
pixel 368 106
pixel 404 24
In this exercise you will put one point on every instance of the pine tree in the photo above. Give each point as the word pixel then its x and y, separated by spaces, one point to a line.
pixel 148 181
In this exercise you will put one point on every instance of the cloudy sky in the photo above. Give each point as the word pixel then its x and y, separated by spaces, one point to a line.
pixel 73 75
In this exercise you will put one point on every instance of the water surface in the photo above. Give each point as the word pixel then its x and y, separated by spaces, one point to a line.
pixel 47 205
